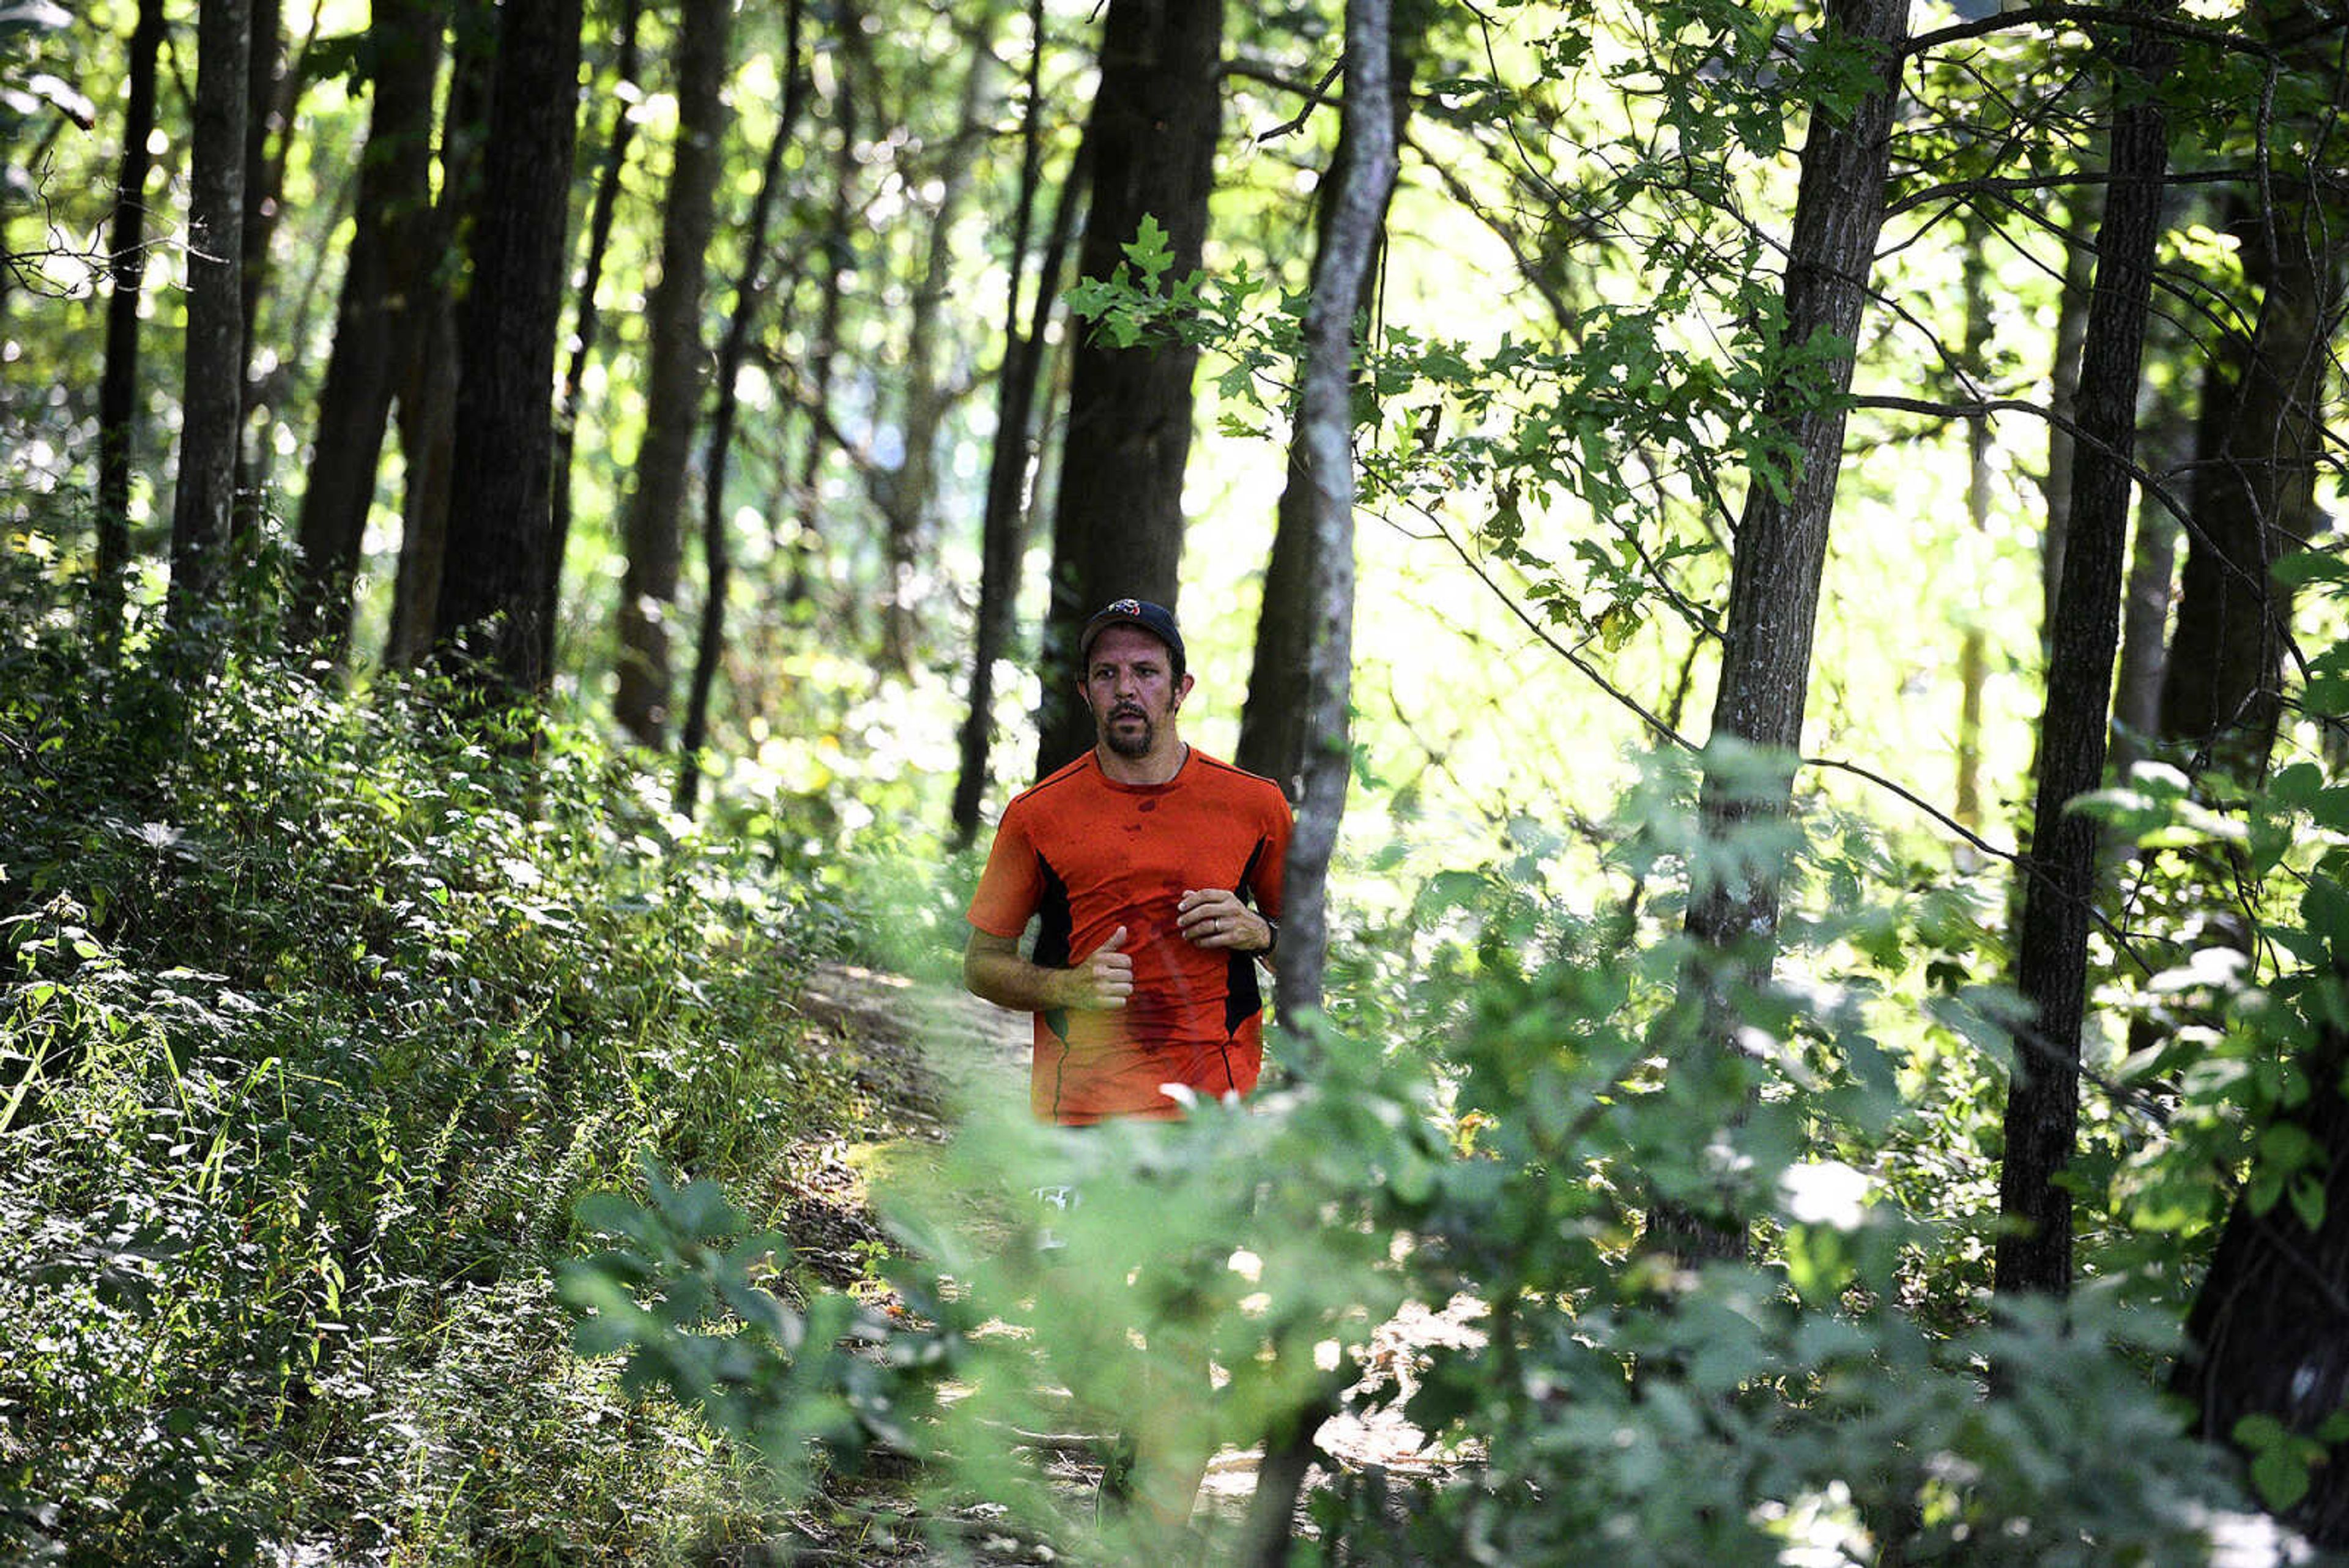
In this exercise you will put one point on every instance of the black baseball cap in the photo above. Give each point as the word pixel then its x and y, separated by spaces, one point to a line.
pixel 1155 619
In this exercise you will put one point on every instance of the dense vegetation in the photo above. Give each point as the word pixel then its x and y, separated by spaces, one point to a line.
pixel 319 1030
pixel 1906 1120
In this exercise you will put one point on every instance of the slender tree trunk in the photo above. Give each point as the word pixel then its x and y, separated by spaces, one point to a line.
pixel 1972 642
pixel 910 491
pixel 1773 592
pixel 384 282
pixel 1003 533
pixel 117 394
pixel 491 586
pixel 265 74
pixel 2063 399
pixel 807 539
pixel 750 292
pixel 427 395
pixel 1117 529
pixel 617 139
pixel 1341 272
pixel 2035 1244
pixel 674 377
pixel 1274 735
pixel 2145 605
pixel 204 503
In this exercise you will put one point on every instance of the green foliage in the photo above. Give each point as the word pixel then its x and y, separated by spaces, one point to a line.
pixel 1844 1397
pixel 776 1377
pixel 313 1029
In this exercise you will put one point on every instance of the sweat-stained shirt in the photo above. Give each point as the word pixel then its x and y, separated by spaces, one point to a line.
pixel 1091 855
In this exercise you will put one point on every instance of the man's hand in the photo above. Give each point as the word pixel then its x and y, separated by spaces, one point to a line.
pixel 1103 981
pixel 1214 917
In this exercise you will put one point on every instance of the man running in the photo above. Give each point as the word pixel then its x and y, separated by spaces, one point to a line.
pixel 1157 871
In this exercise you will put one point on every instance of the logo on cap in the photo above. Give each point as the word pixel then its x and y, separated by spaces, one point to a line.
pixel 1126 606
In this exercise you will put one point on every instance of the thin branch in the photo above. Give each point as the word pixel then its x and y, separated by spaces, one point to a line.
pixel 1315 96
pixel 2086 17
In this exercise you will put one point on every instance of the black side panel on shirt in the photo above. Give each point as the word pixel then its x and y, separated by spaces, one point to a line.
pixel 1242 1001
pixel 1053 937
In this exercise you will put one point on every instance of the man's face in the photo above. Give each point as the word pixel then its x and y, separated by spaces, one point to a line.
pixel 1130 685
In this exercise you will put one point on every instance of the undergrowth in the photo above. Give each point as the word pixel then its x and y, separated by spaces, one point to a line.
pixel 318 1014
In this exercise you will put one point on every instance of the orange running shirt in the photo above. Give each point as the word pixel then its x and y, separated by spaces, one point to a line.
pixel 1090 855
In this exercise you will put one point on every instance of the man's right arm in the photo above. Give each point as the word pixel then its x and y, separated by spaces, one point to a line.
pixel 992 969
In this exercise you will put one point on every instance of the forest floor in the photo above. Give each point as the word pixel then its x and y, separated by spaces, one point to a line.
pixel 917 1044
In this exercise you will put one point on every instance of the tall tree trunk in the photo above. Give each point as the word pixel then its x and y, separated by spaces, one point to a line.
pixel 909 493
pixel 1117 529
pixel 1972 641
pixel 204 506
pixel 1275 735
pixel 117 394
pixel 2086 213
pixel 588 322
pixel 2145 604
pixel 673 380
pixel 2253 493
pixel 2268 1333
pixel 1774 590
pixel 427 394
pixel 265 74
pixel 491 586
pixel 2035 1243
pixel 1003 533
pixel 838 252
pixel 1325 419
pixel 383 286
pixel 750 292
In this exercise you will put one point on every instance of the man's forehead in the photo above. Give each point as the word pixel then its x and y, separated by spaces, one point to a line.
pixel 1126 643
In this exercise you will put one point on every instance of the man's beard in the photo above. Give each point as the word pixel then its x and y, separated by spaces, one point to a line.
pixel 1137 744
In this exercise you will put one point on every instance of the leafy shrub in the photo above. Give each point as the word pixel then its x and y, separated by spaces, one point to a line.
pixel 318 1014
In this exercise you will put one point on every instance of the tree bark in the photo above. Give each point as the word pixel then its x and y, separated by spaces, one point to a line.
pixel 1117 529
pixel 1972 641
pixel 588 321
pixel 2145 605
pixel 118 395
pixel 750 292
pixel 2034 1245
pixel 266 75
pixel 2253 493
pixel 1325 421
pixel 1273 736
pixel 427 395
pixel 674 377
pixel 204 505
pixel 837 252
pixel 378 312
pixel 1003 532
pixel 1773 592
pixel 491 586
pixel 2063 399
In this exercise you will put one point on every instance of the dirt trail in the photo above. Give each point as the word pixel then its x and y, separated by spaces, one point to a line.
pixel 922 1049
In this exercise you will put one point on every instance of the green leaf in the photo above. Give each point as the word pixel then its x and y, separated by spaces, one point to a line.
pixel 1149 251
pixel 2280 1477
pixel 2305 566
